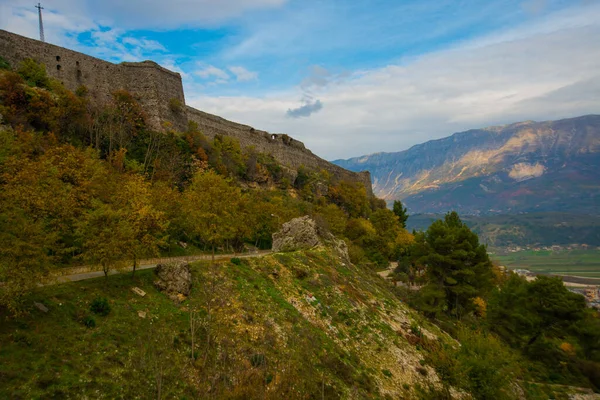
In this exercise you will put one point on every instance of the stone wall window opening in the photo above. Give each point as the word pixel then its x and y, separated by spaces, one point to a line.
pixel 58 67
pixel 77 63
pixel 273 137
pixel 57 58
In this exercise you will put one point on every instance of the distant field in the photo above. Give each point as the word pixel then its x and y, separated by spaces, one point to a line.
pixel 575 262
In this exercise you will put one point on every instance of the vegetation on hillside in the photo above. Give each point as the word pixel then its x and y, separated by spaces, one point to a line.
pixel 539 328
pixel 87 184
pixel 94 185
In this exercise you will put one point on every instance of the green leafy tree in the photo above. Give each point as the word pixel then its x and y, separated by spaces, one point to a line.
pixel 400 212
pixel 456 264
pixel 522 312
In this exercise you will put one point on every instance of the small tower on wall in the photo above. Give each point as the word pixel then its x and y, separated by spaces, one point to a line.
pixel 40 8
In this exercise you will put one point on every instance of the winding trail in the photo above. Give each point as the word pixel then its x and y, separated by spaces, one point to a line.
pixel 83 273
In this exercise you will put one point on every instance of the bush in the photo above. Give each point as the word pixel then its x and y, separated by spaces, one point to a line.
pixel 236 261
pixel 89 322
pixel 100 306
pixel 257 360
pixel 4 64
pixel 175 105
pixel 34 73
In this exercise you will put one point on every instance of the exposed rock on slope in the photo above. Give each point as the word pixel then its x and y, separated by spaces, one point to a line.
pixel 522 167
pixel 303 233
pixel 174 279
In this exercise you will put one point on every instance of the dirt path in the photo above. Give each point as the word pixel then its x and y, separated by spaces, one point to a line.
pixel 83 273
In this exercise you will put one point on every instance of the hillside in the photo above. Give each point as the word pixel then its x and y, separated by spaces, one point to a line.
pixel 159 93
pixel 295 325
pixel 97 188
pixel 522 167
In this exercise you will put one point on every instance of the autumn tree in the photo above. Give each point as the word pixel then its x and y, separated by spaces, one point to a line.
pixel 211 204
pixel 147 224
pixel 25 246
pixel 351 197
pixel 105 234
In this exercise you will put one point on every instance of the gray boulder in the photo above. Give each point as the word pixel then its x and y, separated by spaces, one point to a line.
pixel 174 279
pixel 297 234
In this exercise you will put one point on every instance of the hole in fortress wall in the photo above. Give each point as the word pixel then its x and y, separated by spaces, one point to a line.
pixel 58 67
pixel 273 137
pixel 57 58
pixel 77 63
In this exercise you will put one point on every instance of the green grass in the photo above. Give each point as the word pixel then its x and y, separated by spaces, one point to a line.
pixel 584 263
pixel 55 355
pixel 253 315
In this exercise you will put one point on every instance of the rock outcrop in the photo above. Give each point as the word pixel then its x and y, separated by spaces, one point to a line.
pixel 174 279
pixel 304 233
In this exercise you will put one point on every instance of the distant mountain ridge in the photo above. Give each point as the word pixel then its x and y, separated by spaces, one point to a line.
pixel 522 167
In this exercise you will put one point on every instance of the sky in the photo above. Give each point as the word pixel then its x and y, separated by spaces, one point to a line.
pixel 349 78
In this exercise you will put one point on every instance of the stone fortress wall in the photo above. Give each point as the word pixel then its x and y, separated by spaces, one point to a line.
pixel 155 88
pixel 152 85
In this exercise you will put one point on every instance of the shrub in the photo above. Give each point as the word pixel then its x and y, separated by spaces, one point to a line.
pixel 82 91
pixel 300 271
pixel 89 322
pixel 4 64
pixel 100 306
pixel 175 105
pixel 236 261
pixel 34 73
pixel 386 372
pixel 257 360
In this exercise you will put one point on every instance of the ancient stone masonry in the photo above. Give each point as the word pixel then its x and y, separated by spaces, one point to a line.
pixel 152 85
pixel 283 148
pixel 159 92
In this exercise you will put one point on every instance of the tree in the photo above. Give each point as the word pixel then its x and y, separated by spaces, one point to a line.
pixel 456 264
pixel 211 206
pixel 24 259
pixel 522 312
pixel 105 235
pixel 400 212
pixel 147 224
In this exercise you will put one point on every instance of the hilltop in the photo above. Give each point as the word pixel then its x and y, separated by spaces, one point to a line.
pixel 160 95
pixel 522 167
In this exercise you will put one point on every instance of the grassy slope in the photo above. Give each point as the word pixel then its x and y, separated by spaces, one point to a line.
pixel 265 336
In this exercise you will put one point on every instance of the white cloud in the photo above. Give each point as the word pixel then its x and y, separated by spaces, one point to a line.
pixel 549 70
pixel 211 71
pixel 242 74
pixel 131 14
pixel 145 44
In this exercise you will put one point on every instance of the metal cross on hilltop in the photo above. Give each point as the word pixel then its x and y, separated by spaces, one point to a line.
pixel 40 8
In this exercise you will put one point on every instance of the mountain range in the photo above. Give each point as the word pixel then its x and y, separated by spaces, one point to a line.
pixel 550 166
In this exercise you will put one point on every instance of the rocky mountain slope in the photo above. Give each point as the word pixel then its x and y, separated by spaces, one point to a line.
pixel 523 167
